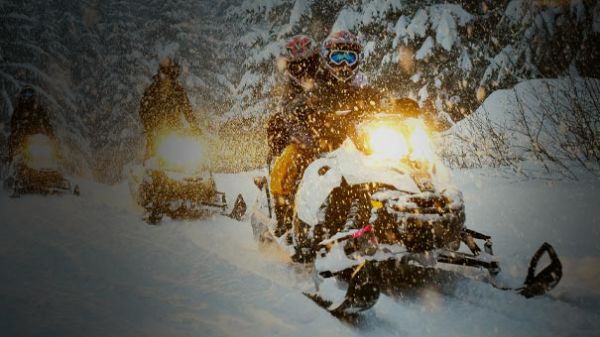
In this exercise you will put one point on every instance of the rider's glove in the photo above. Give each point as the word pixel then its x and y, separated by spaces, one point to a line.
pixel 303 137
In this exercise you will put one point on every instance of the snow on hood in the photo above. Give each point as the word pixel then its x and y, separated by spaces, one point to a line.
pixel 349 163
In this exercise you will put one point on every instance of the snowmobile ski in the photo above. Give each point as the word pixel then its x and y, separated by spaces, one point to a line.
pixel 362 294
pixel 239 208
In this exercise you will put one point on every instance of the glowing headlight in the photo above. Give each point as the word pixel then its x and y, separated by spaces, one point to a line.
pixel 180 152
pixel 39 152
pixel 386 142
pixel 392 138
pixel 421 147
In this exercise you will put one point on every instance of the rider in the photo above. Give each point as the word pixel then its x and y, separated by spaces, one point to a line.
pixel 339 87
pixel 300 62
pixel 29 117
pixel 164 104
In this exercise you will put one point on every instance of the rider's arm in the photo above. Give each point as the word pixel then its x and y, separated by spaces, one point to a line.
pixel 186 107
pixel 45 121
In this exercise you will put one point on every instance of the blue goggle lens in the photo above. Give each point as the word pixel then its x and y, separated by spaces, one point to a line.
pixel 338 57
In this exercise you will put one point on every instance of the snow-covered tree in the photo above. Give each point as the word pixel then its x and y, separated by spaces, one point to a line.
pixel 42 47
pixel 448 56
pixel 91 60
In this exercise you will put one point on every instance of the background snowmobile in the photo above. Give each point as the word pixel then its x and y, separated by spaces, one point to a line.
pixel 35 169
pixel 176 181
pixel 381 213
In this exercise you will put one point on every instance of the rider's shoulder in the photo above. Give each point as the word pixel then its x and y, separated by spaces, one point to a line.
pixel 360 80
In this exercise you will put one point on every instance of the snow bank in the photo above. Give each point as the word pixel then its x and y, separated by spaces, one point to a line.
pixel 541 122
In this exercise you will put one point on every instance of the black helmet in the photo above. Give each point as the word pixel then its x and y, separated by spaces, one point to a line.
pixel 169 67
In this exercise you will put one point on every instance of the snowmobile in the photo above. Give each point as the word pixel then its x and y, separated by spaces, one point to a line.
pixel 177 182
pixel 35 169
pixel 380 214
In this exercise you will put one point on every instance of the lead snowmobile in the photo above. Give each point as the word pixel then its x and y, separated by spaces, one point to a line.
pixel 381 213
pixel 35 169
pixel 176 181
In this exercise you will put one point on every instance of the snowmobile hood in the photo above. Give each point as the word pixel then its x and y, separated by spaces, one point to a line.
pixel 325 174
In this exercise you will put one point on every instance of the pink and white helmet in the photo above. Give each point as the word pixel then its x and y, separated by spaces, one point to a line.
pixel 300 47
pixel 301 57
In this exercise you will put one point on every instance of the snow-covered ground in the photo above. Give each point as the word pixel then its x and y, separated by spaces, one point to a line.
pixel 88 266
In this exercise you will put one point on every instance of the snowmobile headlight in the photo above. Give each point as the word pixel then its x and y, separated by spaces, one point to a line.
pixel 420 143
pixel 391 138
pixel 180 152
pixel 386 142
pixel 39 152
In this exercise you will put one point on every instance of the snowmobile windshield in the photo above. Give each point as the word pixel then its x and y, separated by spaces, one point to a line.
pixel 393 138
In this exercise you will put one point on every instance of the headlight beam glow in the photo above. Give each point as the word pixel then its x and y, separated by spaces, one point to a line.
pixel 394 139
pixel 386 142
pixel 179 152
pixel 422 149
pixel 39 152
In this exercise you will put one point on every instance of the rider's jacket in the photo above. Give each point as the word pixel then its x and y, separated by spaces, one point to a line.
pixel 164 106
pixel 329 113
pixel 27 119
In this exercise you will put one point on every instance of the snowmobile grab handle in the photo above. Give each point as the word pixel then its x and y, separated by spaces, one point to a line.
pixel 354 235
pixel 545 280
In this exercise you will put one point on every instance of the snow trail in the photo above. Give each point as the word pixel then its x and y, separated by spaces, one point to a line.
pixel 74 265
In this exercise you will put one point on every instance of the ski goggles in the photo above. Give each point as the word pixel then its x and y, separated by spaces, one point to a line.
pixel 338 57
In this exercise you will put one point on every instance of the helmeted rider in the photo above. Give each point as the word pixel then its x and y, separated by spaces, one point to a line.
pixel 29 117
pixel 165 104
pixel 339 87
pixel 299 62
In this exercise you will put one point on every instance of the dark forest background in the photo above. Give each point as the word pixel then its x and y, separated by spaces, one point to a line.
pixel 91 60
